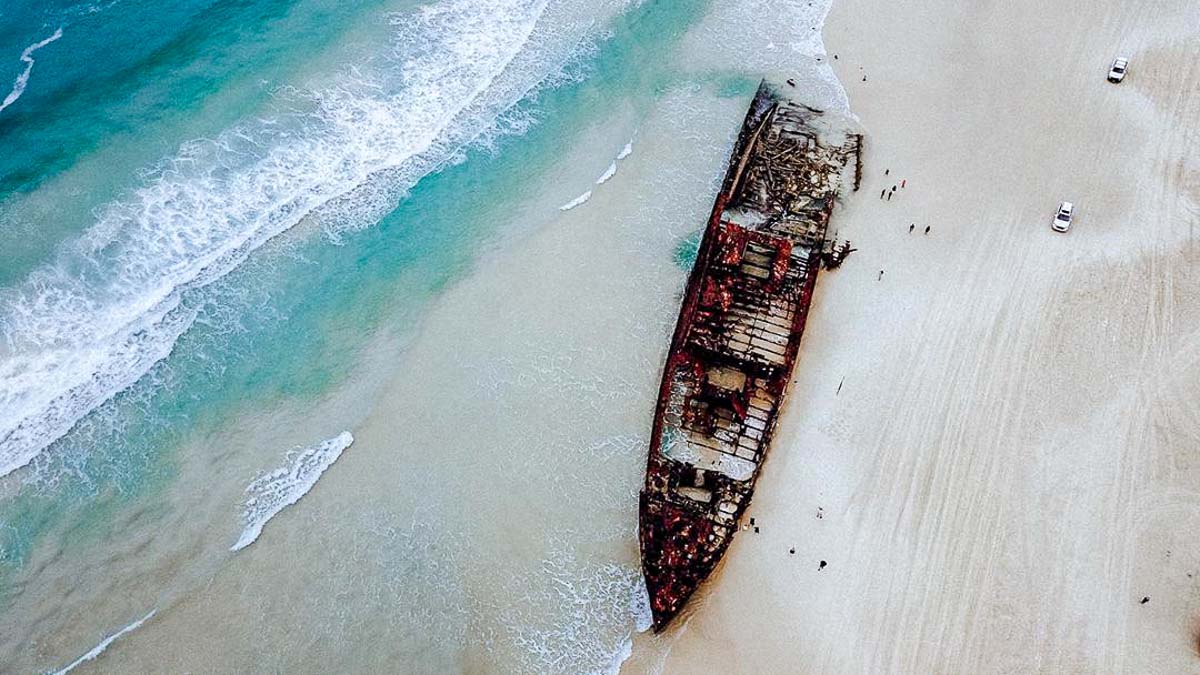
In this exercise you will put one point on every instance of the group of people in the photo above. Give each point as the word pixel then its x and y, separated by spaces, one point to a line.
pixel 886 193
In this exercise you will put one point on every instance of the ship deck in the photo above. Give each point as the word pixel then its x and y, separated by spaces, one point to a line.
pixel 735 345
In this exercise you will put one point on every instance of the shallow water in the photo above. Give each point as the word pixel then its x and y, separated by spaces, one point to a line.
pixel 263 224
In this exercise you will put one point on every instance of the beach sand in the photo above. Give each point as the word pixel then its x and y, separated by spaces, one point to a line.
pixel 1013 461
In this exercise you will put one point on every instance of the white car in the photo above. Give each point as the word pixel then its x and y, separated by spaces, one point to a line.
pixel 1062 219
pixel 1117 72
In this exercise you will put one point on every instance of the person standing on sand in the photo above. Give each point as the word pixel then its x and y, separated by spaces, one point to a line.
pixel 910 228
pixel 880 276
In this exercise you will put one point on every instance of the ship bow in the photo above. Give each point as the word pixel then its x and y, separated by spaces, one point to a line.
pixel 675 558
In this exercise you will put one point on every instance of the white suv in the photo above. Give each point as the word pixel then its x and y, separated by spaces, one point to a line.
pixel 1117 72
pixel 1062 219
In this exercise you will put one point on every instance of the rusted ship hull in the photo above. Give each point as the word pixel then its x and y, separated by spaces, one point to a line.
pixel 736 340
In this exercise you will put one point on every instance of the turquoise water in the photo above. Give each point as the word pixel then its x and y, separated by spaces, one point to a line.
pixel 167 75
pixel 306 110
pixel 124 86
pixel 688 250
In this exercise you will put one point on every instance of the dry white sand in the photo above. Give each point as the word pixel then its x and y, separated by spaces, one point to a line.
pixel 1013 461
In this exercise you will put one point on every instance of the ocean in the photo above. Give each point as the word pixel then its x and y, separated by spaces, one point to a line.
pixel 329 331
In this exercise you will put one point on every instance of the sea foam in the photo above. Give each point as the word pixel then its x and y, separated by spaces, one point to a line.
pixel 23 79
pixel 604 177
pixel 104 644
pixel 279 489
pixel 608 173
pixel 93 321
pixel 643 619
pixel 578 201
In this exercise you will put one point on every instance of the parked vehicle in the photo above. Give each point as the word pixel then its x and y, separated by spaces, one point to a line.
pixel 1117 72
pixel 1062 219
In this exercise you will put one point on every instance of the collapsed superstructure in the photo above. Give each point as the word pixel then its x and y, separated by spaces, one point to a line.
pixel 736 339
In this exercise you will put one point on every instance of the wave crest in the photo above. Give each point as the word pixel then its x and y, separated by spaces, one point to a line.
pixel 88 325
pixel 275 491
pixel 23 79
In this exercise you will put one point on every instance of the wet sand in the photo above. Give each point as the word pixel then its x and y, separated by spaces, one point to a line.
pixel 1013 461
pixel 485 518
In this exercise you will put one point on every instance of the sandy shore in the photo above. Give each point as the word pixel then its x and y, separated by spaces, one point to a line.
pixel 1013 461
pixel 485 518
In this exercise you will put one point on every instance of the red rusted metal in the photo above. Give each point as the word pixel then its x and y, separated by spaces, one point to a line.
pixel 734 346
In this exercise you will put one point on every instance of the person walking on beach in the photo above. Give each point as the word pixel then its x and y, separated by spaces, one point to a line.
pixel 926 229
pixel 910 228
pixel 880 276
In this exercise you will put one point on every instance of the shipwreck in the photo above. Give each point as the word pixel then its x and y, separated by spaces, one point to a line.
pixel 737 336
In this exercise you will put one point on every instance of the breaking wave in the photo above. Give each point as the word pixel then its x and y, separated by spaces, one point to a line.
pixel 608 173
pixel 89 324
pixel 601 180
pixel 104 644
pixel 578 201
pixel 23 78
pixel 279 489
